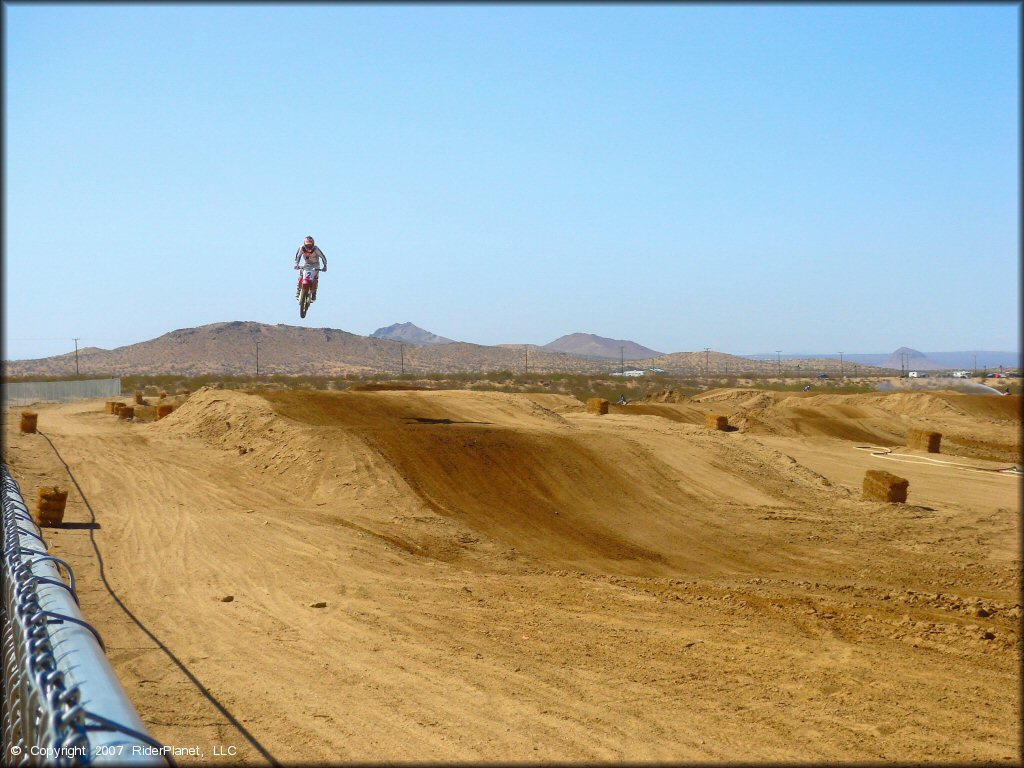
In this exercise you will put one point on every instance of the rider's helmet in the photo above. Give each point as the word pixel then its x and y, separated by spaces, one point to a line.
pixel 308 243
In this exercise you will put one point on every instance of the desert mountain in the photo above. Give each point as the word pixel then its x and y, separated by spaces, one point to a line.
pixel 911 359
pixel 231 348
pixel 589 345
pixel 409 334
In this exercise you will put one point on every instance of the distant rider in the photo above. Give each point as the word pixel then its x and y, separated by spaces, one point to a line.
pixel 310 257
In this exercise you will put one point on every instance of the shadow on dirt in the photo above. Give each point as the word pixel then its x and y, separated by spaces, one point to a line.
pixel 422 420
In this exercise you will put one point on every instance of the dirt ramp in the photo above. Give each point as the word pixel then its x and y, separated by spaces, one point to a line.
pixel 995 407
pixel 842 422
pixel 684 414
pixel 389 409
pixel 544 493
pixel 644 497
pixel 492 462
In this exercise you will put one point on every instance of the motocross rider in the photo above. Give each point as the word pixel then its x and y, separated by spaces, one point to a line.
pixel 310 257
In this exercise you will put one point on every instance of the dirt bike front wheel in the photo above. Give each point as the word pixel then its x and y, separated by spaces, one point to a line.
pixel 303 301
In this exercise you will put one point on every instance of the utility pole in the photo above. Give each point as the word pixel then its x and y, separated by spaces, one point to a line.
pixel 526 350
pixel 257 358
pixel 975 365
pixel 76 355
pixel 401 351
pixel 778 359
pixel 622 359
pixel 841 366
pixel 707 364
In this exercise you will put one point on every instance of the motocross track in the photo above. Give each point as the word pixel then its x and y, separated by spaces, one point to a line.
pixel 508 578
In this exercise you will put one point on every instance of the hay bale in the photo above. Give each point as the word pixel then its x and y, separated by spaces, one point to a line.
pixel 50 506
pixel 126 412
pixel 163 395
pixel 880 485
pixel 138 397
pixel 923 440
pixel 597 405
pixel 117 408
pixel 163 410
pixel 111 406
pixel 716 421
pixel 144 413
pixel 28 421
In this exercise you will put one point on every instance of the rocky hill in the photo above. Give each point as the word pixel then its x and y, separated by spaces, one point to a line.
pixel 409 334
pixel 911 360
pixel 589 345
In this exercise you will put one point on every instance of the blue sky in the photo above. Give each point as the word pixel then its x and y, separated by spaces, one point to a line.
pixel 810 178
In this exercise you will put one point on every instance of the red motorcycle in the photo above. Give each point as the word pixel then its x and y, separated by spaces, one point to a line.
pixel 308 279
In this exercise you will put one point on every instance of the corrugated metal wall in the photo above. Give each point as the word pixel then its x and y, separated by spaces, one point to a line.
pixel 27 392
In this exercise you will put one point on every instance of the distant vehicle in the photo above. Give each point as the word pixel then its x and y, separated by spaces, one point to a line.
pixel 961 374
pixel 822 375
pixel 996 376
pixel 656 370
pixel 628 373
pixel 918 375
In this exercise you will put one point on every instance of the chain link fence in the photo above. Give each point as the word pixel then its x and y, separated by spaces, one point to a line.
pixel 62 704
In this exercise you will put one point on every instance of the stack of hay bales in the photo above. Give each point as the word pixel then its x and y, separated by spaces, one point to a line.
pixel 923 440
pixel 880 485
pixel 597 405
pixel 716 421
pixel 126 412
pixel 113 405
pixel 29 421
pixel 138 397
pixel 163 410
pixel 50 506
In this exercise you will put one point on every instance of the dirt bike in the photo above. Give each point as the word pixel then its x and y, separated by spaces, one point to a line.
pixel 308 279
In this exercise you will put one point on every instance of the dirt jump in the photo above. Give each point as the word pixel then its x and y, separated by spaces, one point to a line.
pixel 434 576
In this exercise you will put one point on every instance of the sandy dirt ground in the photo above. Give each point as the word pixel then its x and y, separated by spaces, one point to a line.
pixel 302 577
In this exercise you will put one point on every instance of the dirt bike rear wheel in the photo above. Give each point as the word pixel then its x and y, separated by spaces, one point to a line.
pixel 303 301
